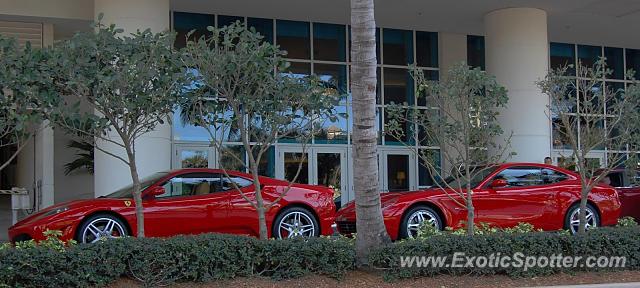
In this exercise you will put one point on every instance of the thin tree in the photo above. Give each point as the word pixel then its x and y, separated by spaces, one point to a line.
pixel 463 122
pixel 369 223
pixel 588 117
pixel 242 93
pixel 131 85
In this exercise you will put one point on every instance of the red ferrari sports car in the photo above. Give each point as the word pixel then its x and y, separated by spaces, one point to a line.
pixel 629 191
pixel 188 201
pixel 504 195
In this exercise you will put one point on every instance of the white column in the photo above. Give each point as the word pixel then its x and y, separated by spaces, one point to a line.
pixel 517 53
pixel 153 150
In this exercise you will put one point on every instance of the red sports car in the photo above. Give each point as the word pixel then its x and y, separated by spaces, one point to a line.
pixel 629 189
pixel 503 196
pixel 188 201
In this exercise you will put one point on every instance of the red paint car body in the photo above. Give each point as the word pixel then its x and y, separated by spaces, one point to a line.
pixel 629 191
pixel 223 212
pixel 544 206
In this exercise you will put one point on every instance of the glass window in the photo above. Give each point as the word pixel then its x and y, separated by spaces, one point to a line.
pixel 397 46
pixel 398 86
pixel 329 42
pixel 588 55
pixel 224 20
pixel 424 173
pixel 194 159
pixel 183 23
pixel 422 98
pixel 266 164
pixel 633 61
pixel 332 132
pixel 427 49
pixel 191 184
pixel 521 176
pixel 335 76
pixel 475 52
pixel 616 89
pixel 294 162
pixel 263 26
pixel 228 183
pixel 561 138
pixel 396 138
pixel 293 36
pixel 298 70
pixel 398 172
pixel 550 176
pixel 562 55
pixel 615 62
pixel 232 157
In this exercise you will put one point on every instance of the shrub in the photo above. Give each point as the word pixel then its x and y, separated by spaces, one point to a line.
pixel 608 241
pixel 427 230
pixel 627 221
pixel 156 261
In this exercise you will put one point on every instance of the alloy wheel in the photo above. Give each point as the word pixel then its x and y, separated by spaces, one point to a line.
pixel 417 218
pixel 101 229
pixel 296 224
pixel 574 219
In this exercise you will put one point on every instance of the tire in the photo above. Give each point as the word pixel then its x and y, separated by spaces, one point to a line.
pixel 100 227
pixel 412 218
pixel 573 214
pixel 295 222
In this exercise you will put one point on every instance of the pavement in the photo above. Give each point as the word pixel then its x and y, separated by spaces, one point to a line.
pixel 608 285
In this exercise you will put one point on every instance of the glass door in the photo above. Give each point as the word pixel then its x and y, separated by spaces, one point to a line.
pixel 329 168
pixel 293 165
pixel 397 170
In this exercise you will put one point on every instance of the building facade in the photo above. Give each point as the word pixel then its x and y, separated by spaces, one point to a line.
pixel 517 41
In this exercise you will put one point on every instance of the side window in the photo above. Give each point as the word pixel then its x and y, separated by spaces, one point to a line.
pixel 191 184
pixel 521 176
pixel 616 179
pixel 227 183
pixel 550 176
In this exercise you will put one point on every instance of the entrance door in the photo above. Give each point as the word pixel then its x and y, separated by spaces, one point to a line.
pixel 397 170
pixel 326 166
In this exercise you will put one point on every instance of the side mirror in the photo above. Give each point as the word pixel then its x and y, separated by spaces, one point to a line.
pixel 497 183
pixel 155 191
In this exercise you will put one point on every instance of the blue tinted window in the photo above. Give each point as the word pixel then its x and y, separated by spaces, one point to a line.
pixel 427 49
pixel 183 23
pixel 563 55
pixel 293 36
pixel 475 51
pixel 633 61
pixel 398 86
pixel 422 98
pixel 224 20
pixel 615 62
pixel 397 46
pixel 329 42
pixel 588 55
pixel 263 26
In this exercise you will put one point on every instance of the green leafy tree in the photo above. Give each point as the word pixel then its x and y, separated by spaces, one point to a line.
pixel 130 83
pixel 23 86
pixel 590 117
pixel 242 93
pixel 463 123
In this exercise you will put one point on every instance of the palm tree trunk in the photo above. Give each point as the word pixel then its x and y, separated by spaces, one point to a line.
pixel 370 225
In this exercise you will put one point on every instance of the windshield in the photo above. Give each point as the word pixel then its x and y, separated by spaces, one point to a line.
pixel 127 191
pixel 478 174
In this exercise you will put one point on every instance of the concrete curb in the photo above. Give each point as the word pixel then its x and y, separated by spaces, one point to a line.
pixel 609 285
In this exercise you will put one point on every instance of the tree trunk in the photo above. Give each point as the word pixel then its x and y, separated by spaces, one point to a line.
pixel 369 222
pixel 470 211
pixel 583 210
pixel 137 194
pixel 262 220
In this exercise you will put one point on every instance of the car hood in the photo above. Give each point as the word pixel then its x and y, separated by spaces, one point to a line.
pixel 69 205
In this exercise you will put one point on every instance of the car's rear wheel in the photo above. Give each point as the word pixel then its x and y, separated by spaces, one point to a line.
pixel 295 222
pixel 572 219
pixel 415 217
pixel 101 227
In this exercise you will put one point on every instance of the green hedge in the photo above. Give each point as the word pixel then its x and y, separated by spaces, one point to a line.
pixel 156 261
pixel 619 241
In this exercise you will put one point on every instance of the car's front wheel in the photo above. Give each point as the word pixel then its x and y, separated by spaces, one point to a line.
pixel 101 227
pixel 295 222
pixel 415 217
pixel 572 219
